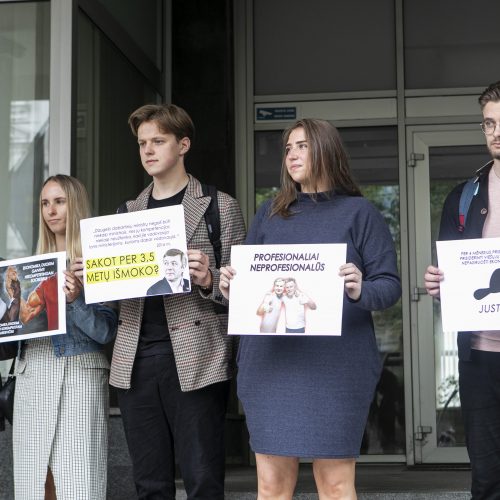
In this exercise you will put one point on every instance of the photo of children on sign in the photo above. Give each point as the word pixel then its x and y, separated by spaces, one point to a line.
pixel 286 290
pixel 32 303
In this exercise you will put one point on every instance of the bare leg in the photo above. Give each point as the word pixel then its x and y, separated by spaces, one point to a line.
pixel 335 478
pixel 276 476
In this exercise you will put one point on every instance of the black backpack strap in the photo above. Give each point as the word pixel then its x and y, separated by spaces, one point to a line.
pixel 212 220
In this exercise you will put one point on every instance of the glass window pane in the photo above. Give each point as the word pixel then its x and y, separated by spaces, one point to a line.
pixel 372 150
pixel 107 157
pixel 451 43
pixel 143 21
pixel 374 161
pixel 323 46
pixel 449 165
pixel 24 121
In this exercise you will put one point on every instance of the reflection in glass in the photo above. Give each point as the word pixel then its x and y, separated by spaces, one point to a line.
pixel 449 165
pixel 107 157
pixel 24 115
pixel 109 88
pixel 374 160
pixel 29 124
pixel 143 22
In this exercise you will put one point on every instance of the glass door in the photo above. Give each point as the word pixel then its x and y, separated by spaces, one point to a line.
pixel 440 157
pixel 24 121
pixel 24 126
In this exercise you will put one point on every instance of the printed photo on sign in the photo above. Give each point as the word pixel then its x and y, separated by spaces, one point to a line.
pixel 135 254
pixel 470 291
pixel 286 290
pixel 32 302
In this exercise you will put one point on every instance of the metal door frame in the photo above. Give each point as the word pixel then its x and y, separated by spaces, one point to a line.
pixel 422 437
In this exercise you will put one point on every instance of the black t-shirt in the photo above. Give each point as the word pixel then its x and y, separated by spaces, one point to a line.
pixel 154 337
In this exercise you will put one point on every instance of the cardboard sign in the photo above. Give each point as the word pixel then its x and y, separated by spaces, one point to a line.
pixel 286 290
pixel 470 298
pixel 135 254
pixel 32 301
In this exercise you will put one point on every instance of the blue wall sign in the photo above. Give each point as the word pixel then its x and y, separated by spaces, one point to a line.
pixel 281 113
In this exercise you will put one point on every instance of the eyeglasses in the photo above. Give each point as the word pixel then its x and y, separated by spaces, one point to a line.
pixel 489 126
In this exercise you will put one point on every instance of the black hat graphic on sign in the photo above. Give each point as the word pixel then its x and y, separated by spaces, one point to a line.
pixel 494 287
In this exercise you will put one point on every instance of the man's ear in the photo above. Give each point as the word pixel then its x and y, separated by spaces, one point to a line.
pixel 185 144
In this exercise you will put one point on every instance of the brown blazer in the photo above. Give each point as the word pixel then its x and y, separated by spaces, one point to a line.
pixel 202 348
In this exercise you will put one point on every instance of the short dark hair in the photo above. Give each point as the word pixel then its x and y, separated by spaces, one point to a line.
pixel 174 252
pixel 490 94
pixel 171 119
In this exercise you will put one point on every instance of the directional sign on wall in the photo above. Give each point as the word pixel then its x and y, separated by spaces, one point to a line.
pixel 275 113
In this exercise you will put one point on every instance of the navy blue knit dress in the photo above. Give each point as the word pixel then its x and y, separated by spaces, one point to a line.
pixel 309 396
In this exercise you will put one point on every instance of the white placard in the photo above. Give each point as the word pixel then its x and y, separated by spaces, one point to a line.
pixel 286 287
pixel 32 301
pixel 125 255
pixel 470 299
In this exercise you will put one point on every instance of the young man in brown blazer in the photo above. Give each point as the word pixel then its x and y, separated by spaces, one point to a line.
pixel 172 355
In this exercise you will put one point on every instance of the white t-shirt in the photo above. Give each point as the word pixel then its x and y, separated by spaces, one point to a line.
pixel 294 312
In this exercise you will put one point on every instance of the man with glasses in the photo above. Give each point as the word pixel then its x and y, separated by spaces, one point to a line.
pixel 478 352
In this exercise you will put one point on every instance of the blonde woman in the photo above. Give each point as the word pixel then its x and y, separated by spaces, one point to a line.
pixel 61 402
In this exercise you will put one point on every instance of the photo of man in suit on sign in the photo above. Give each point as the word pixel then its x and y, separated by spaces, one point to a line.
pixel 175 262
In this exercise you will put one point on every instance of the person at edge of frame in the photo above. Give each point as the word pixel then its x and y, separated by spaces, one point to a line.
pixel 478 352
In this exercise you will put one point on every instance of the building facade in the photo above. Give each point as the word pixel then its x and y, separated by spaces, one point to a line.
pixel 399 78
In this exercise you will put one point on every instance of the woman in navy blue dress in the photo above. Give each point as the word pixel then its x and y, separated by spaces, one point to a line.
pixel 309 396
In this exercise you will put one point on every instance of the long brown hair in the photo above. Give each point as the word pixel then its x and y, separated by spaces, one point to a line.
pixel 328 160
pixel 77 208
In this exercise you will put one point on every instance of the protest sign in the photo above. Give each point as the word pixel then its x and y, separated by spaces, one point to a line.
pixel 135 254
pixel 470 299
pixel 287 289
pixel 32 301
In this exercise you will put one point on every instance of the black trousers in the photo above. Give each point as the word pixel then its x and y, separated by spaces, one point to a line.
pixel 164 425
pixel 480 400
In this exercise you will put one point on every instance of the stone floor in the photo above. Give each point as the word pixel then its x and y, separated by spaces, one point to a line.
pixel 377 482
